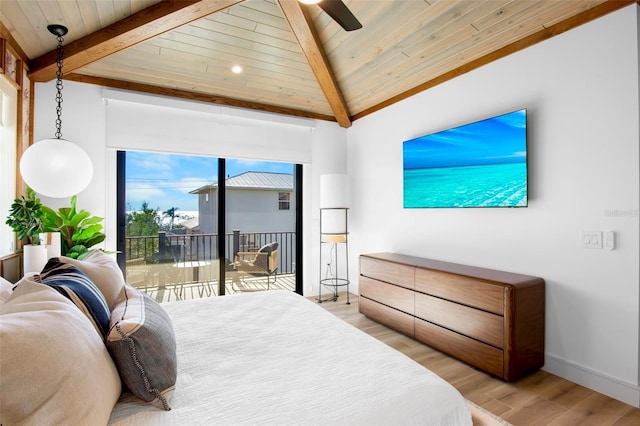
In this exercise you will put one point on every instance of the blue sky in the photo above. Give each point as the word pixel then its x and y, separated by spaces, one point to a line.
pixel 496 140
pixel 164 180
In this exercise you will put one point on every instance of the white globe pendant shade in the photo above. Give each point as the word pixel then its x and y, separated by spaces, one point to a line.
pixel 56 168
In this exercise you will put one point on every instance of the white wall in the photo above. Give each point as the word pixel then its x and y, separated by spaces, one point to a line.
pixel 583 112
pixel 258 211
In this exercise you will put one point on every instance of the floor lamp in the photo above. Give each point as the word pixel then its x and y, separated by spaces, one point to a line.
pixel 334 233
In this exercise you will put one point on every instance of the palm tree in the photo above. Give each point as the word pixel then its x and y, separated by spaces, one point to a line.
pixel 172 214
pixel 143 222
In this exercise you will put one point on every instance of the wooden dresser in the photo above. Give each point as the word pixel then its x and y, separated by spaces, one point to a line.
pixel 492 320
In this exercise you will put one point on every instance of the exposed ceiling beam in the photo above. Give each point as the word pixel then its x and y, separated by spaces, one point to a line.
pixel 194 96
pixel 137 28
pixel 302 26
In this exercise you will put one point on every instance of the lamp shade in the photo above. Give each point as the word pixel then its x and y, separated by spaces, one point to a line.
pixel 333 221
pixel 56 168
pixel 333 191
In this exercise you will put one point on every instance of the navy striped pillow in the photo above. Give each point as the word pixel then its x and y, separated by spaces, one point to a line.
pixel 72 283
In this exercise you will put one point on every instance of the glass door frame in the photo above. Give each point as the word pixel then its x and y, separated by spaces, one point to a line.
pixel 221 194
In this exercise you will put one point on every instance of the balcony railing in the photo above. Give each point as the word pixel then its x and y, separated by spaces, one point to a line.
pixel 165 247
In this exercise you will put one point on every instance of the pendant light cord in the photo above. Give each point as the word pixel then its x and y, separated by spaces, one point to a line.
pixel 59 88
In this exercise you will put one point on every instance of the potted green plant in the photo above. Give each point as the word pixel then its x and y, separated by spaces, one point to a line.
pixel 79 230
pixel 25 218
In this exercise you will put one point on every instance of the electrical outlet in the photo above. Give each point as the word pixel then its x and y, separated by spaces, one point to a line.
pixel 591 239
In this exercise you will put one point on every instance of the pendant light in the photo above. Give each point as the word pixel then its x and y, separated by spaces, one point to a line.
pixel 56 167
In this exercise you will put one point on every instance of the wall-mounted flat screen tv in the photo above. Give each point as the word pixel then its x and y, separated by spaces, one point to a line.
pixel 481 164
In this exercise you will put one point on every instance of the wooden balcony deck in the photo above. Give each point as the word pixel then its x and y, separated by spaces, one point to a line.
pixel 180 290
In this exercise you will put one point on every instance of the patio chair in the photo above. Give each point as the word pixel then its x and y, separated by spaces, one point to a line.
pixel 261 263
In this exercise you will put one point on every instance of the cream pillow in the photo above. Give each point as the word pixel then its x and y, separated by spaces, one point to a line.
pixel 55 367
pixel 6 288
pixel 104 271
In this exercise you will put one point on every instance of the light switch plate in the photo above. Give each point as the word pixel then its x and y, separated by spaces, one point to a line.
pixel 591 239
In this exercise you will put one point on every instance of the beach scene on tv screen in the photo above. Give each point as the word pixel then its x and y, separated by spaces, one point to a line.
pixel 481 164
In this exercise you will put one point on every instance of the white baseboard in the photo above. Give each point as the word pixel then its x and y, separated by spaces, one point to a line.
pixel 628 393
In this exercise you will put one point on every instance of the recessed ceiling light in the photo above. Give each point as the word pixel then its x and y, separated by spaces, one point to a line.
pixel 236 69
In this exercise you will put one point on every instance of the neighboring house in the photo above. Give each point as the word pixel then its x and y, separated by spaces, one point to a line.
pixel 257 202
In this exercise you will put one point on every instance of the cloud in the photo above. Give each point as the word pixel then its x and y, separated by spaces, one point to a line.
pixel 138 195
pixel 160 164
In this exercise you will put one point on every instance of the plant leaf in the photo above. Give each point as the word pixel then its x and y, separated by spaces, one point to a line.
pixel 64 213
pixel 87 234
pixel 92 220
pixel 96 239
pixel 79 217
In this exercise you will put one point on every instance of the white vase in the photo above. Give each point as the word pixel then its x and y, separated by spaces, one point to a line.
pixel 35 257
pixel 52 241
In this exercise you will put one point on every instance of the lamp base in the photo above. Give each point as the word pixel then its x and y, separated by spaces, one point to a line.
pixel 333 283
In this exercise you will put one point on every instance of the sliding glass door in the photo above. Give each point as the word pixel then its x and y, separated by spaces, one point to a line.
pixel 261 221
pixel 163 248
pixel 192 227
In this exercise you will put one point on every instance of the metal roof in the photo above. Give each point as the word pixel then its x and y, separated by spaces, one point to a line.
pixel 261 180
pixel 254 180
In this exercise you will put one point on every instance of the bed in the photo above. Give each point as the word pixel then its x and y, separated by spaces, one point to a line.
pixel 267 358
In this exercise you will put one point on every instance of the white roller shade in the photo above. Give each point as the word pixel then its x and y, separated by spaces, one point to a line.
pixel 151 123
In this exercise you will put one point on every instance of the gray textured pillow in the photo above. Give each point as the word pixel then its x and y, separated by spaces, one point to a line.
pixel 143 346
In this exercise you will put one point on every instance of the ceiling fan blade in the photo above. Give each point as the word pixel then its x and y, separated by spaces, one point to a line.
pixel 341 14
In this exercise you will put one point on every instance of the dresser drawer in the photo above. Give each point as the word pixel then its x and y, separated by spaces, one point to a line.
pixel 388 294
pixel 394 273
pixel 470 291
pixel 478 354
pixel 490 319
pixel 480 325
pixel 404 323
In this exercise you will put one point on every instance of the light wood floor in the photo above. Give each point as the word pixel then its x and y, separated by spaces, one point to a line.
pixel 538 399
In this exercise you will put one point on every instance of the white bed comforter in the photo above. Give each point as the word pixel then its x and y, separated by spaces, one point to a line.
pixel 275 358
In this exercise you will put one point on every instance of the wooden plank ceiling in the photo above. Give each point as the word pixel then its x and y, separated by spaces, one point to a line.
pixel 295 59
